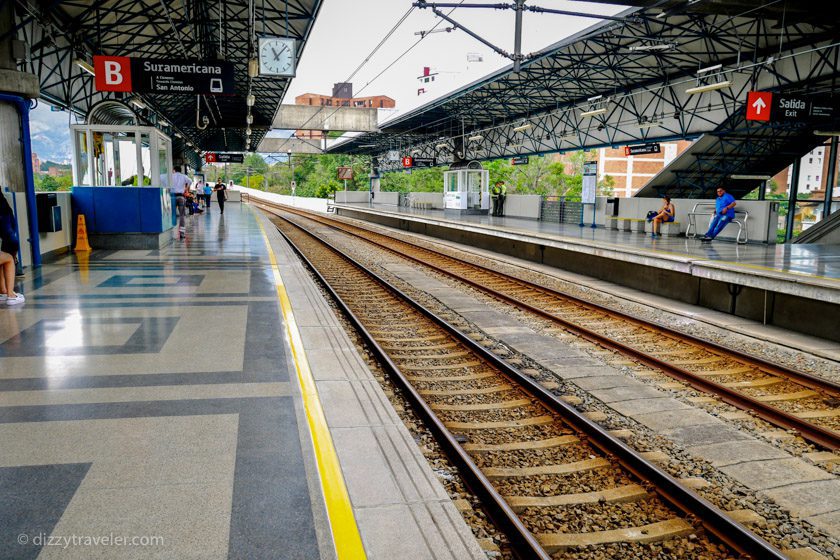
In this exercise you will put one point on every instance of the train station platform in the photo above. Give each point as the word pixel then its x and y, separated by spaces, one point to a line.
pixel 795 287
pixel 202 401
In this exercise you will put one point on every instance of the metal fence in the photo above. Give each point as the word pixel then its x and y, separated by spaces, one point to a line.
pixel 559 210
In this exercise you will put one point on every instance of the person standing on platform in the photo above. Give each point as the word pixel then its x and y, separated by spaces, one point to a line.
pixel 221 196
pixel 724 213
pixel 180 184
pixel 502 198
pixel 9 246
pixel 199 192
pixel 208 195
pixel 495 191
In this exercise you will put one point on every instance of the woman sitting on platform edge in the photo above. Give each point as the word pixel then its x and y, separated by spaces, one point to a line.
pixel 665 214
pixel 9 246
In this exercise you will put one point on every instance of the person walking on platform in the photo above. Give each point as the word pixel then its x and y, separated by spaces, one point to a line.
pixel 724 213
pixel 502 197
pixel 665 214
pixel 9 246
pixel 208 195
pixel 221 196
pixel 179 185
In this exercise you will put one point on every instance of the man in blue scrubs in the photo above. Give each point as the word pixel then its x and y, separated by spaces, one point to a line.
pixel 724 213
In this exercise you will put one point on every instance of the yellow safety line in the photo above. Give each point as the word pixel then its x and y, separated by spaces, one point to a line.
pixel 348 543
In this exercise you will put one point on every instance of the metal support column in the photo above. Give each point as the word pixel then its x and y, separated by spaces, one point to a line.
pixel 794 188
pixel 830 180
pixel 517 36
pixel 762 190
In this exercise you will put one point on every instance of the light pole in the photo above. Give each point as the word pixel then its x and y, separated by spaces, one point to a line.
pixel 293 185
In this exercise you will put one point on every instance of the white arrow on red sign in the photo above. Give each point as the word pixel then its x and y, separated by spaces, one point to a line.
pixel 758 105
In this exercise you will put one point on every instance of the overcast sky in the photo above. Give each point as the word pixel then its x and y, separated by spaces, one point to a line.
pixel 347 30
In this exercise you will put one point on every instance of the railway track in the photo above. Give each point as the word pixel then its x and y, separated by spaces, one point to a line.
pixel 792 400
pixel 556 483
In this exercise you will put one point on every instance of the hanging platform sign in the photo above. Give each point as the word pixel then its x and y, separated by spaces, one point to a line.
pixel 210 157
pixel 423 162
pixel 641 149
pixel 768 106
pixel 177 77
pixel 519 160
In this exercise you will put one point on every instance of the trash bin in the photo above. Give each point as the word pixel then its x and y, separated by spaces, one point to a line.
pixel 49 212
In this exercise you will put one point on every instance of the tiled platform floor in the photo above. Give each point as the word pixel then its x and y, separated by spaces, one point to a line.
pixel 146 395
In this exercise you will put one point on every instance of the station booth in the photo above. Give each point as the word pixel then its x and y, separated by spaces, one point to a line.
pixel 466 190
pixel 121 176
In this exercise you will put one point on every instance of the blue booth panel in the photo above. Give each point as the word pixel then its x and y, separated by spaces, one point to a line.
pixel 124 209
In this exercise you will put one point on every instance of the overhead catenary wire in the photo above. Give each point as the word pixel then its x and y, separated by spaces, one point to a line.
pixel 370 55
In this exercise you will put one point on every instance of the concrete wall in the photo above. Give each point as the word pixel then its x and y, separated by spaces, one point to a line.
pixel 761 226
pixel 350 197
pixel 523 206
pixel 436 198
pixel 315 204
pixel 392 198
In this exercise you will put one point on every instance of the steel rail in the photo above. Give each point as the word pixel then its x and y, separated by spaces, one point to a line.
pixel 823 437
pixel 674 493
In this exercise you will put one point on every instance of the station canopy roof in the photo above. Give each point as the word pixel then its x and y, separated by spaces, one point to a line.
pixel 600 61
pixel 60 33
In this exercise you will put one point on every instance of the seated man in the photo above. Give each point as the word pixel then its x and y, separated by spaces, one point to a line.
pixel 724 213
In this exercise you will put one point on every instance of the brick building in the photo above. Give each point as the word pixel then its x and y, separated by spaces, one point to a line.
pixel 631 173
pixel 342 96
pixel 36 163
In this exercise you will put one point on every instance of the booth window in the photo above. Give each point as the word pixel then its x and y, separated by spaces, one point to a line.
pixel 114 157
pixel 452 183
pixel 82 158
pixel 163 164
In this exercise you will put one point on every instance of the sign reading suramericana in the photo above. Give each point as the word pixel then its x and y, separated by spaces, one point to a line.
pixel 142 75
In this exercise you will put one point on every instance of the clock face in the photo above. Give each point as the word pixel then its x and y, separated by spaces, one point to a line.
pixel 277 56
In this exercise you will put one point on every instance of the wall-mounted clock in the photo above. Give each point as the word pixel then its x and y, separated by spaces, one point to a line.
pixel 277 56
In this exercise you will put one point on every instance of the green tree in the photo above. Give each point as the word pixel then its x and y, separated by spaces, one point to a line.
pixel 256 163
pixel 47 183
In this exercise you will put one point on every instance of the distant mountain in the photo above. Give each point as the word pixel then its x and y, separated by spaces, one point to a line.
pixel 45 165
pixel 50 134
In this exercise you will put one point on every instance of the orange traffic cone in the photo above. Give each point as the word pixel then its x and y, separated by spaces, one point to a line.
pixel 81 235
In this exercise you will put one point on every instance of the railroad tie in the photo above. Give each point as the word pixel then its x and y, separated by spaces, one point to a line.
pixel 521 445
pixel 627 493
pixel 755 382
pixel 806 394
pixel 483 406
pixel 471 363
pixel 467 377
pixel 566 468
pixel 455 392
pixel 533 421
pixel 663 530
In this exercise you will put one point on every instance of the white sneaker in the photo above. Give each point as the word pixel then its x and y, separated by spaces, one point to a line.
pixel 3 298
pixel 17 300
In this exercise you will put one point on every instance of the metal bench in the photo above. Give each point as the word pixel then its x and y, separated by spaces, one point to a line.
pixel 741 217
